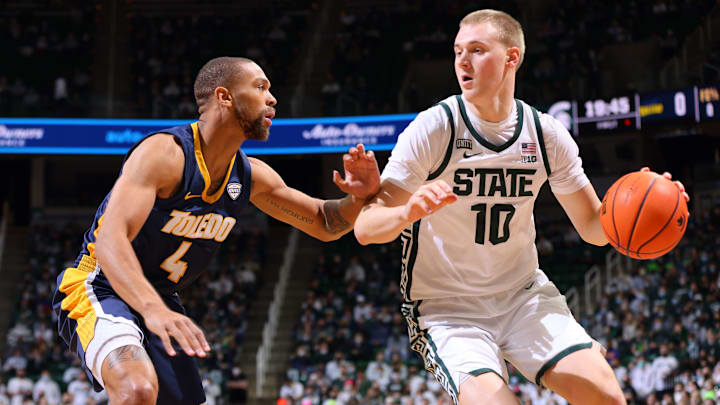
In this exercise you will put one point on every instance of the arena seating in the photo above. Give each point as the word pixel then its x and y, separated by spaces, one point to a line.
pixel 36 36
pixel 168 43
pixel 565 44
pixel 168 50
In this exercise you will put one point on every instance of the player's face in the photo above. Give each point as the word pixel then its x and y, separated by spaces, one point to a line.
pixel 254 104
pixel 479 60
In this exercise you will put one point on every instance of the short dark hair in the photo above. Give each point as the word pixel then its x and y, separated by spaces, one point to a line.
pixel 214 74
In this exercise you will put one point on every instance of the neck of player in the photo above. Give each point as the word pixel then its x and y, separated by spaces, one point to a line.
pixel 495 107
pixel 219 143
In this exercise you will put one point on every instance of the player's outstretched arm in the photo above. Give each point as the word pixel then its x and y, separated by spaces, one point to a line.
pixel 393 209
pixel 154 169
pixel 323 219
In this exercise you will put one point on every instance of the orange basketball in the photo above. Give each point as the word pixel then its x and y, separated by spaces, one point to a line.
pixel 644 215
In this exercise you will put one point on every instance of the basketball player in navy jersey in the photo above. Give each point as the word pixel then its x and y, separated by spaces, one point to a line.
pixel 175 201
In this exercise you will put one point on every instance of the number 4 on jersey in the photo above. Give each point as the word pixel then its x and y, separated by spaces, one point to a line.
pixel 495 211
pixel 174 265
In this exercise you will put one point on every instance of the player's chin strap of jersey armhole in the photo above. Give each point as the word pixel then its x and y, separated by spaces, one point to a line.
pixel 449 150
pixel 541 139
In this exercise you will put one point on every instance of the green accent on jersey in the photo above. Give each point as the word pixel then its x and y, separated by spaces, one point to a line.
pixel 538 128
pixel 485 370
pixel 422 343
pixel 442 364
pixel 413 255
pixel 449 150
pixel 558 357
pixel 483 141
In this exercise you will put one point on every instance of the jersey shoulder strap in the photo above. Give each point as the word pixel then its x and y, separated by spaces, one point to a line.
pixel 541 139
pixel 449 150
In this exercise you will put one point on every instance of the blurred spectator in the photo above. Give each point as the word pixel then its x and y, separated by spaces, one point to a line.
pixel 330 90
pixel 4 400
pixel 80 389
pixel 363 310
pixel 355 271
pixel 19 388
pixel 379 371
pixel 15 362
pixel 47 388
pixel 60 93
pixel 237 386
pixel 662 367
pixel 212 390
pixel 291 390
pixel 70 374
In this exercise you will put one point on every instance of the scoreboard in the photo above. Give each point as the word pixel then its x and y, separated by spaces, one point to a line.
pixel 633 111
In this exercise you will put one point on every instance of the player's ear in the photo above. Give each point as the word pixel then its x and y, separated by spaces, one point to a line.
pixel 512 57
pixel 223 96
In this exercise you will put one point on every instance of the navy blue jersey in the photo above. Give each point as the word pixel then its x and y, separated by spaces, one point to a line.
pixel 182 232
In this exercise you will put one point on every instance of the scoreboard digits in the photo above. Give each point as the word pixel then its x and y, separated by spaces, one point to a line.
pixel 693 104
pixel 708 102
pixel 604 115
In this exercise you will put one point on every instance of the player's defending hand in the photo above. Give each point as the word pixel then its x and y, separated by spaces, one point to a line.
pixel 428 199
pixel 362 176
pixel 668 176
pixel 166 323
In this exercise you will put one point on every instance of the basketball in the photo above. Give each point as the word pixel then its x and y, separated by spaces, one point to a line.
pixel 644 215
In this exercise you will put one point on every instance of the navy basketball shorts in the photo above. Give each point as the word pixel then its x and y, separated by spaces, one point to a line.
pixel 93 321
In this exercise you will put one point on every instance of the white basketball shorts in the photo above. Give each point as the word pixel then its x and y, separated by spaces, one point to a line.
pixel 457 340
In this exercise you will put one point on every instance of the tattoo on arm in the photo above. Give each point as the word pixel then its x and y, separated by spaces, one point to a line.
pixel 334 222
pixel 126 353
pixel 290 212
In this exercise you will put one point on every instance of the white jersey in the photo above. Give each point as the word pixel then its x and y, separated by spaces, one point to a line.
pixel 484 243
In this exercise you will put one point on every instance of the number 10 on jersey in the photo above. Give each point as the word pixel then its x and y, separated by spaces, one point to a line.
pixel 496 210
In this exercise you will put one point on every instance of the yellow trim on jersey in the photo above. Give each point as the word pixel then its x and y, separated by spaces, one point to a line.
pixel 204 170
pixel 77 301
pixel 91 245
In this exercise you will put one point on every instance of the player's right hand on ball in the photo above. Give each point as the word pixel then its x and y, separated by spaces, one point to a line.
pixel 428 199
pixel 167 323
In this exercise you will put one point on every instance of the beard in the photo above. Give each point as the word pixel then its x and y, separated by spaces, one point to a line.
pixel 254 129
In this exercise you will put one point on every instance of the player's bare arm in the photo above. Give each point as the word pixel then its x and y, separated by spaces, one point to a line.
pixel 323 219
pixel 153 170
pixel 385 216
pixel 583 209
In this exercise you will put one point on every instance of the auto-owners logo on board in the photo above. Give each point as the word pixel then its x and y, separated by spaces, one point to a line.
pixel 349 134
pixel 16 137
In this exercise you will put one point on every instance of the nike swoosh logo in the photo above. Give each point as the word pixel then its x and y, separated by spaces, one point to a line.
pixel 530 286
pixel 466 155
pixel 189 196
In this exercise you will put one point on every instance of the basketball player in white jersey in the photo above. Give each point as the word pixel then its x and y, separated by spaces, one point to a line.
pixel 459 189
